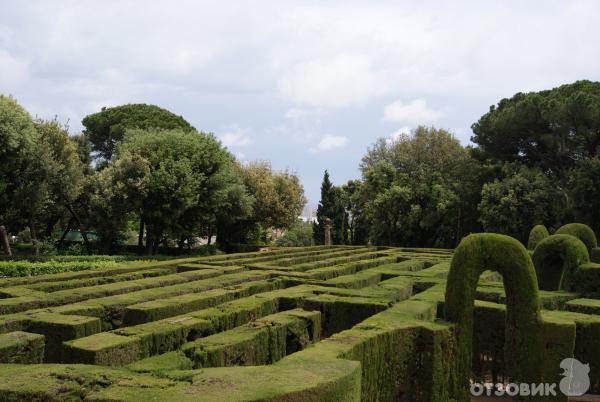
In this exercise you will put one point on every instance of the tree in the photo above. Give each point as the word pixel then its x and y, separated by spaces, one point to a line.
pixel 299 235
pixel 17 140
pixel 584 186
pixel 107 128
pixel 57 174
pixel 117 192
pixel 550 129
pixel 278 200
pixel 182 168
pixel 524 198
pixel 40 175
pixel 413 189
pixel 332 206
pixel 357 226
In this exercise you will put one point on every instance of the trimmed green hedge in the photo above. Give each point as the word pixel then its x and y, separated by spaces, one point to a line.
pixel 27 268
pixel 556 260
pixel 582 232
pixel 524 352
pixel 537 234
pixel 587 280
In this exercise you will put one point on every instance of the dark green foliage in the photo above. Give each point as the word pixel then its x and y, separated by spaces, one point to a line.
pixel 584 185
pixel 523 198
pixel 523 352
pixel 106 128
pixel 358 229
pixel 548 129
pixel 587 280
pixel 21 347
pixel 332 206
pixel 420 189
pixel 582 232
pixel 557 259
pixel 17 138
pixel 537 234
pixel 26 268
pixel 264 341
pixel 299 235
pixel 380 307
pixel 595 255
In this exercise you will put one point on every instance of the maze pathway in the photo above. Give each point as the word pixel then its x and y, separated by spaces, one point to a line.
pixel 315 323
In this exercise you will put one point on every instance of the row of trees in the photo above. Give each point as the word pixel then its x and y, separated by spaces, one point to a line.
pixel 135 167
pixel 537 160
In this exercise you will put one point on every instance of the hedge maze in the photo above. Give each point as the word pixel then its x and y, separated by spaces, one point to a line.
pixel 305 324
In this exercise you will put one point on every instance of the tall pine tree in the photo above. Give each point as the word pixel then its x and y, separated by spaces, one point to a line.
pixel 331 206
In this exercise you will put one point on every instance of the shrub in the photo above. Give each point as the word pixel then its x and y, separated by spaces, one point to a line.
pixel 300 235
pixel 582 232
pixel 556 260
pixel 537 234
pixel 28 268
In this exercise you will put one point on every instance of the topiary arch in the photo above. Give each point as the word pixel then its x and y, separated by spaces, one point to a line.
pixel 537 234
pixel 556 259
pixel 582 231
pixel 523 348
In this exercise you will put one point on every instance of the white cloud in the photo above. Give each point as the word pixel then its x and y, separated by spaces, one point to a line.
pixel 235 136
pixel 296 113
pixel 330 142
pixel 14 71
pixel 332 65
pixel 331 82
pixel 415 111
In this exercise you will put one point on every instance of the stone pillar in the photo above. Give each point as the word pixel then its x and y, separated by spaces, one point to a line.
pixel 327 231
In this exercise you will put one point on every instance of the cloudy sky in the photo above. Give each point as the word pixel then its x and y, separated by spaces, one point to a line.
pixel 308 85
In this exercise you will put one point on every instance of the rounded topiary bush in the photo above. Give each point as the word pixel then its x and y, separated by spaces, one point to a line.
pixel 582 232
pixel 537 234
pixel 556 259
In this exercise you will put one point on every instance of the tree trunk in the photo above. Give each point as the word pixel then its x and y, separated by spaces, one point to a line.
pixel 141 237
pixel 5 242
pixel 50 226
pixel 81 229
pixel 149 241
pixel 157 240
pixel 64 234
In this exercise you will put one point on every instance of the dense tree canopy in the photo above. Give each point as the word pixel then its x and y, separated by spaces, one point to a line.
pixel 140 168
pixel 584 184
pixel 40 172
pixel 278 200
pixel 185 172
pixel 17 141
pixel 550 129
pixel 413 186
pixel 519 201
pixel 107 128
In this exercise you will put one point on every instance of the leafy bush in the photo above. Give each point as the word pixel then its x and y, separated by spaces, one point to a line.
pixel 28 268
pixel 299 235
